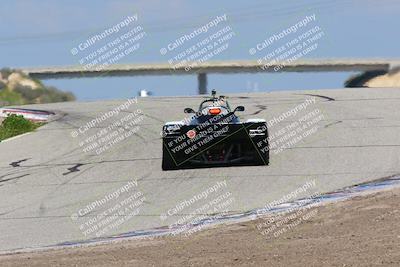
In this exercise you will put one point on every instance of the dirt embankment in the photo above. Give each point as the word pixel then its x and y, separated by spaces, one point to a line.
pixel 17 88
pixel 363 231
pixel 374 79
pixel 386 80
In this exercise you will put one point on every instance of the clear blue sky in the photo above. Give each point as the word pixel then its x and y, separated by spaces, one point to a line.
pixel 43 32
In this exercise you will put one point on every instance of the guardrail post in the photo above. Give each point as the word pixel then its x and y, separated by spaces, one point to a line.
pixel 202 79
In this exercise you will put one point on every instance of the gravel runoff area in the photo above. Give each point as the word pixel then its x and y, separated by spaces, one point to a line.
pixel 362 231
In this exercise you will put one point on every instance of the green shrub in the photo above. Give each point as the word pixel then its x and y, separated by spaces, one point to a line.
pixel 43 94
pixel 15 125
pixel 27 93
pixel 8 97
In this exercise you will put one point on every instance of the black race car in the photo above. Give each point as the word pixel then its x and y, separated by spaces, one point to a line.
pixel 214 136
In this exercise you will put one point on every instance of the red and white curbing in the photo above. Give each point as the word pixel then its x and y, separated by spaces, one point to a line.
pixel 29 114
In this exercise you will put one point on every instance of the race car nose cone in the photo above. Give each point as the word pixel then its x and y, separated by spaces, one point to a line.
pixel 214 111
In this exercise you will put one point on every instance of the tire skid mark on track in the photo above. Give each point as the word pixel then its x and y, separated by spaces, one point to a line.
pixel 74 169
pixel 14 178
pixel 322 96
pixel 332 123
pixel 17 163
pixel 41 166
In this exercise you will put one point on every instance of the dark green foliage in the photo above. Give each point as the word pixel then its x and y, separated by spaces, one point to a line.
pixel 16 124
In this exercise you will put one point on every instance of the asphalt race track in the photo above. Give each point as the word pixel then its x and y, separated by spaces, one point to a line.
pixel 45 176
